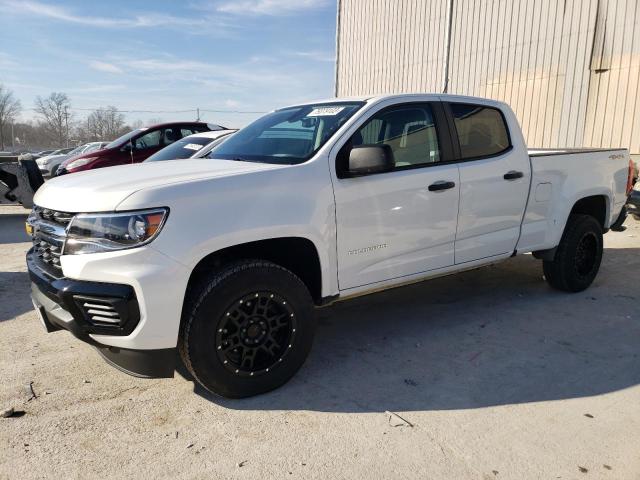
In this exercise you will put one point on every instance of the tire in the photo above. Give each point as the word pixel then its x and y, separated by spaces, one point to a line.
pixel 577 259
pixel 247 329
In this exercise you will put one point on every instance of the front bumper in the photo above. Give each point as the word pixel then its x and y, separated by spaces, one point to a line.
pixel 67 304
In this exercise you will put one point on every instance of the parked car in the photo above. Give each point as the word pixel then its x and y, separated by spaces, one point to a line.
pixel 49 165
pixel 193 146
pixel 28 156
pixel 45 159
pixel 135 146
pixel 224 260
pixel 633 202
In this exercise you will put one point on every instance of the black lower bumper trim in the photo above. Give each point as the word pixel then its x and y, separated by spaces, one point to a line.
pixel 141 363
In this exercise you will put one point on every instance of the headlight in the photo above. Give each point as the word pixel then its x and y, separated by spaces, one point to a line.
pixel 80 162
pixel 106 232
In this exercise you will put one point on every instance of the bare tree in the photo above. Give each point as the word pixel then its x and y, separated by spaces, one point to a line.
pixel 9 109
pixel 56 115
pixel 105 123
pixel 137 124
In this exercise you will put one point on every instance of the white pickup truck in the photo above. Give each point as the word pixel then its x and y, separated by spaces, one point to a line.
pixel 225 258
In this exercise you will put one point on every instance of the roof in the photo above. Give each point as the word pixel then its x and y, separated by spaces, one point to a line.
pixel 212 126
pixel 382 97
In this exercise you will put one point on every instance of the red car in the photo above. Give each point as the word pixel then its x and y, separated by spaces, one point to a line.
pixel 135 146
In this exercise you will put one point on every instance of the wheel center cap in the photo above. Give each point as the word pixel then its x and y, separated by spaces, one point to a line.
pixel 254 331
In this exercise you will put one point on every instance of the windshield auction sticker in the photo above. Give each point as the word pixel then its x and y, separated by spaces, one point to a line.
pixel 325 111
pixel 193 146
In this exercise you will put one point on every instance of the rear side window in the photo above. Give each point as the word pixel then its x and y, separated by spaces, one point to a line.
pixel 481 130
pixel 186 131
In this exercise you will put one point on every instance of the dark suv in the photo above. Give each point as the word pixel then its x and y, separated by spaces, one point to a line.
pixel 135 146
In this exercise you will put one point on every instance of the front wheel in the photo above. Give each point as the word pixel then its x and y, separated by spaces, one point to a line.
pixel 248 329
pixel 577 259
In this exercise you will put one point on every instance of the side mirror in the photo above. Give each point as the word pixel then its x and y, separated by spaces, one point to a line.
pixel 367 159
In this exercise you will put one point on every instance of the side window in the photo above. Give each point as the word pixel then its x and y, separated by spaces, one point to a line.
pixel 408 129
pixel 185 132
pixel 148 140
pixel 481 130
pixel 170 135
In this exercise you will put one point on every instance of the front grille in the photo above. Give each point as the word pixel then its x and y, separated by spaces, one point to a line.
pixel 49 233
pixel 60 218
pixel 48 252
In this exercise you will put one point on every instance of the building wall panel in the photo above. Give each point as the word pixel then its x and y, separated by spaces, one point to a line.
pixel 570 69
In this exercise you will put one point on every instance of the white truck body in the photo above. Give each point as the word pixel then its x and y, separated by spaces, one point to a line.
pixel 369 232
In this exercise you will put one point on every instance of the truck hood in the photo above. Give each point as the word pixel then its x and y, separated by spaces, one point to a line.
pixel 104 188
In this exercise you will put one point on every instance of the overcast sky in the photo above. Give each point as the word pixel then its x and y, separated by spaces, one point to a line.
pixel 248 55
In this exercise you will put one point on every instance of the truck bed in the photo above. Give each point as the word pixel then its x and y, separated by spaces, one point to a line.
pixel 559 177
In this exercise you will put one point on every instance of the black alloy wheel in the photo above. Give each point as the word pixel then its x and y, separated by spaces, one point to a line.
pixel 255 333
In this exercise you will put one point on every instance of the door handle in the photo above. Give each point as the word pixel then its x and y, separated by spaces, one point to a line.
pixel 440 186
pixel 513 175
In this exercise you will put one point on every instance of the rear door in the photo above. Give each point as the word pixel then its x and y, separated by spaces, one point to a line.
pixel 402 222
pixel 494 182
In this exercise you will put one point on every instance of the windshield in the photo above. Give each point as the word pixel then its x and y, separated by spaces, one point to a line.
pixel 120 140
pixel 77 150
pixel 93 148
pixel 185 148
pixel 288 136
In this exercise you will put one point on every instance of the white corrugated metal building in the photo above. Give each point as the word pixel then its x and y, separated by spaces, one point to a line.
pixel 569 68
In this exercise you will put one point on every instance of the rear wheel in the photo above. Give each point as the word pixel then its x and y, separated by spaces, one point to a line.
pixel 577 259
pixel 248 329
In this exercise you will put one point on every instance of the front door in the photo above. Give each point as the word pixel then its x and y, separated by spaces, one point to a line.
pixel 402 222
pixel 146 145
